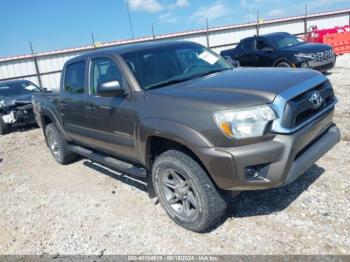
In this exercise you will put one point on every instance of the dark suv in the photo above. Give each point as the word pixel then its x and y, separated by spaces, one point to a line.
pixel 179 116
pixel 282 50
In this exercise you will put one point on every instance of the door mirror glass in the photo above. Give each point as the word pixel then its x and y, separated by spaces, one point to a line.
pixel 110 89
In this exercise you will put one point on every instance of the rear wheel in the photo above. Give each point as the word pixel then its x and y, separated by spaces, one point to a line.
pixel 4 128
pixel 185 191
pixel 58 146
pixel 284 64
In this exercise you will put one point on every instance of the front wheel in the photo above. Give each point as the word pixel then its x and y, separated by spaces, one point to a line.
pixel 185 191
pixel 58 146
pixel 283 64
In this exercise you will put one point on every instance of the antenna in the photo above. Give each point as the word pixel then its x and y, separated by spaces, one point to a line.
pixel 129 17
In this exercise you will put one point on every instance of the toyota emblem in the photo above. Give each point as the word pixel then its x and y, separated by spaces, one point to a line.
pixel 316 99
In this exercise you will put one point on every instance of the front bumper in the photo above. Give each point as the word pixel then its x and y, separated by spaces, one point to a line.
pixel 283 159
pixel 320 65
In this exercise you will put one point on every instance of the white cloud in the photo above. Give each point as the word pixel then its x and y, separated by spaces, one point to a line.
pixel 217 10
pixel 276 13
pixel 322 3
pixel 151 6
pixel 181 3
pixel 168 18
pixel 154 6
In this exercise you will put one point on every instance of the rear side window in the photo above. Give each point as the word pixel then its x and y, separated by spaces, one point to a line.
pixel 249 44
pixel 261 45
pixel 74 79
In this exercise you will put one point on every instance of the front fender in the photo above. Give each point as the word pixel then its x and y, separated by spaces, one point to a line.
pixel 51 114
pixel 172 130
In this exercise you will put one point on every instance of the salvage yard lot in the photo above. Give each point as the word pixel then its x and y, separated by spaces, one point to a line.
pixel 82 208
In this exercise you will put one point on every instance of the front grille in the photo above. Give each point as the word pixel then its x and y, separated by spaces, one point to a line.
pixel 322 56
pixel 299 109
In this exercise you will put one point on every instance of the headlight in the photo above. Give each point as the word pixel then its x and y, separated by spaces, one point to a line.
pixel 303 55
pixel 245 122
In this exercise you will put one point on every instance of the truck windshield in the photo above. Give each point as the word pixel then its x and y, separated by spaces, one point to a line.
pixel 283 40
pixel 161 66
pixel 17 89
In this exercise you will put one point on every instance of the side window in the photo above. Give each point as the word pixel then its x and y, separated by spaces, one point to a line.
pixel 261 45
pixel 103 70
pixel 74 78
pixel 249 44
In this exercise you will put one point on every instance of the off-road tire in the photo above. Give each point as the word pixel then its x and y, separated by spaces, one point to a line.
pixel 211 205
pixel 4 128
pixel 60 149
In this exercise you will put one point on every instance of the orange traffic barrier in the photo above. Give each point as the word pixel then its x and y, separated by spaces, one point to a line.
pixel 339 41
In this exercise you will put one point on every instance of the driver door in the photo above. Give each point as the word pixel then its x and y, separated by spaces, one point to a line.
pixel 111 120
pixel 265 56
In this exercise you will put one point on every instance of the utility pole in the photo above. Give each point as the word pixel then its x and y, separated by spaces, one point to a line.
pixel 36 64
pixel 153 35
pixel 257 23
pixel 93 40
pixel 129 17
pixel 207 35
pixel 305 20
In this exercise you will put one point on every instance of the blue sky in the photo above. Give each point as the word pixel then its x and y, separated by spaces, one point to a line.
pixel 56 24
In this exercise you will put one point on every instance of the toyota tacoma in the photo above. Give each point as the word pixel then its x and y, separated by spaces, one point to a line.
pixel 182 118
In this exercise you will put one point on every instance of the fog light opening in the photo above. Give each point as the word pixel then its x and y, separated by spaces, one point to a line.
pixel 257 172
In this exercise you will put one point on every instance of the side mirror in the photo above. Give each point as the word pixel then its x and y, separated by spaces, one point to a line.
pixel 109 89
pixel 44 89
pixel 232 62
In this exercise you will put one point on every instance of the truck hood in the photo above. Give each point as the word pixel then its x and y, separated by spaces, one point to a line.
pixel 308 48
pixel 238 87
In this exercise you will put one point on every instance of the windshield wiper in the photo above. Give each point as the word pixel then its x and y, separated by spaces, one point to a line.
pixel 179 80
pixel 168 82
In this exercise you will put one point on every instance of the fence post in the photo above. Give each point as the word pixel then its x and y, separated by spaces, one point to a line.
pixel 305 21
pixel 257 23
pixel 207 33
pixel 36 65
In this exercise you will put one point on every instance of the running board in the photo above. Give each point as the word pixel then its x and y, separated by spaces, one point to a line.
pixel 109 161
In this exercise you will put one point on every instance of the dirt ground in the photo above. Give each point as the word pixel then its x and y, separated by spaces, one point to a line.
pixel 82 208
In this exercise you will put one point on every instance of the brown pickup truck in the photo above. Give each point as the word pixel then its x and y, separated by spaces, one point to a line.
pixel 194 127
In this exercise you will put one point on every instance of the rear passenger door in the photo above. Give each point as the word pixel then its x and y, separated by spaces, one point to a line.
pixel 111 120
pixel 72 100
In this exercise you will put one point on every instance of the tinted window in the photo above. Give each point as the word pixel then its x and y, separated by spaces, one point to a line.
pixel 74 80
pixel 158 66
pixel 17 88
pixel 283 40
pixel 261 45
pixel 249 43
pixel 103 70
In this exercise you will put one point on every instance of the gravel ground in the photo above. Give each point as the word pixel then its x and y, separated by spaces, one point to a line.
pixel 84 209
